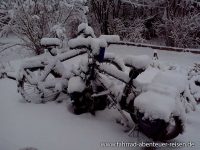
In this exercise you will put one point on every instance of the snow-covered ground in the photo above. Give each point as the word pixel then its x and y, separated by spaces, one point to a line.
pixel 52 126
pixel 183 59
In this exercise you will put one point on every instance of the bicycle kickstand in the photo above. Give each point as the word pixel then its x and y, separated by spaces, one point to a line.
pixel 124 121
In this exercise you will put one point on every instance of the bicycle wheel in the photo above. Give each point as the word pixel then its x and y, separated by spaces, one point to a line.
pixel 34 91
pixel 158 129
pixel 83 101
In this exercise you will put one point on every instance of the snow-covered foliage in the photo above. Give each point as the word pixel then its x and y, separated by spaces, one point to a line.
pixel 6 15
pixel 180 32
pixel 194 81
pixel 188 100
pixel 186 95
pixel 59 31
pixel 194 86
pixel 168 82
pixel 33 20
pixel 173 22
pixel 194 70
pixel 129 31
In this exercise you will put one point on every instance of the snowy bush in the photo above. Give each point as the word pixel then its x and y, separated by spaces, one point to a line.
pixel 181 32
pixel 130 30
pixel 194 70
pixel 174 21
pixel 6 15
pixel 194 81
pixel 186 95
pixel 32 20
pixel 194 87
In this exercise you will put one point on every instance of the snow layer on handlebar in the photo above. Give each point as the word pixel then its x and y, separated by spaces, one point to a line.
pixel 139 62
pixel 69 54
pixel 50 41
pixel 79 41
pixel 93 43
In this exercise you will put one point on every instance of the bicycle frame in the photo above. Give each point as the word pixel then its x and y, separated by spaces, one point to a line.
pixel 44 63
pixel 95 70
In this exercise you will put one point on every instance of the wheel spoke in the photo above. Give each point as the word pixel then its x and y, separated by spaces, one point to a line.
pixel 31 92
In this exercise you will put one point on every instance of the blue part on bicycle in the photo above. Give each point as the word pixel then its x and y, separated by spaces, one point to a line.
pixel 101 54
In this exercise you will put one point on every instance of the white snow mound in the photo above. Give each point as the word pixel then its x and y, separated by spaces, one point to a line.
pixel 75 84
pixel 139 62
pixel 171 78
pixel 161 96
pixel 155 105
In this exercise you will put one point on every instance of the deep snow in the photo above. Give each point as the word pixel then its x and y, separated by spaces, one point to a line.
pixel 52 126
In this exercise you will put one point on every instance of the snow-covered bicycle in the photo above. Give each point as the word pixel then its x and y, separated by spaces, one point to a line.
pixel 44 78
pixel 156 109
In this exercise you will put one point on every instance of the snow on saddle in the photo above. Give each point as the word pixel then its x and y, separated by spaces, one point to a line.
pixel 138 62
